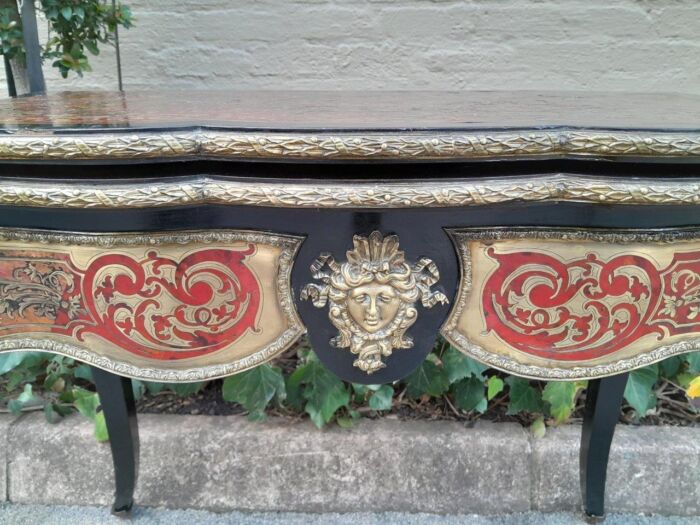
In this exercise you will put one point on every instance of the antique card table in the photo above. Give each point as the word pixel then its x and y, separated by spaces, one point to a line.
pixel 186 236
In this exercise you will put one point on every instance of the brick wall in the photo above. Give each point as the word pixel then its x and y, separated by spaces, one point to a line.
pixel 622 45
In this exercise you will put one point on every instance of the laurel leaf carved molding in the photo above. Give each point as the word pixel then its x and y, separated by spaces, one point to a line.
pixel 347 146
pixel 334 194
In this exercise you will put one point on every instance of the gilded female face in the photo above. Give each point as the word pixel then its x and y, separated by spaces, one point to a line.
pixel 373 306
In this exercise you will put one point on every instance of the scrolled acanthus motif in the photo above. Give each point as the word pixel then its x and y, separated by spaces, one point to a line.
pixel 50 293
pixel 372 297
pixel 591 306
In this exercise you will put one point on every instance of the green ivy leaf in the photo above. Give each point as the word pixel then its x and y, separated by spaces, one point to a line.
pixel 26 398
pixel 14 406
pixel 684 379
pixel 154 387
pixel 63 410
pixel 257 416
pixel 381 398
pixel 671 366
pixel 469 394
pixel 458 366
pixel 495 387
pixel 293 387
pixel 67 12
pixel 187 389
pixel 360 392
pixel 429 379
pixel 693 360
pixel 86 402
pixel 323 391
pixel 11 360
pixel 101 433
pixel 84 372
pixel 50 414
pixel 255 388
pixel 50 380
pixel 344 421
pixel 27 394
pixel 561 396
pixel 523 397
pixel 538 428
pixel 639 391
pixel 138 389
pixel 325 394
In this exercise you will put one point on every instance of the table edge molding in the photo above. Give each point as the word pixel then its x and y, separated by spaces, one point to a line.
pixel 320 194
pixel 47 145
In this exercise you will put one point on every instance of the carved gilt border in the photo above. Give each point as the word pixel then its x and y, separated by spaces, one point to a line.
pixel 389 145
pixel 289 245
pixel 508 364
pixel 438 193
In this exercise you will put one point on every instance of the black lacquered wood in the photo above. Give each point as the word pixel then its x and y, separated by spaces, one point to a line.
pixel 119 407
pixel 603 400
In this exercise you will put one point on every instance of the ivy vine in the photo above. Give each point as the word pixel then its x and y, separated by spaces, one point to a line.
pixel 59 386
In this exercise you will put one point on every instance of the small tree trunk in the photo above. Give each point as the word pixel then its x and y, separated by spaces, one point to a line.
pixel 20 75
pixel 19 69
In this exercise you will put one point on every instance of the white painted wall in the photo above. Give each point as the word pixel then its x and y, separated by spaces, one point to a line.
pixel 616 45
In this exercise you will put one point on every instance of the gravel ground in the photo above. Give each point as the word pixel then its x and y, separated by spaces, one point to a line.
pixel 69 515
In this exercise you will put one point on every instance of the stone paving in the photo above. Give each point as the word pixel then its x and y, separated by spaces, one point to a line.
pixel 218 463
pixel 67 515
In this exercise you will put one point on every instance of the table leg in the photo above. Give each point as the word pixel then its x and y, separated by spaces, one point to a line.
pixel 603 400
pixel 117 400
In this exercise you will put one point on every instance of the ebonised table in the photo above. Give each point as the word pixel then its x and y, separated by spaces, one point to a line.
pixel 186 236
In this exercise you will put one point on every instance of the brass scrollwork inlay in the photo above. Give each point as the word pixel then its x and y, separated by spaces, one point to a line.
pixel 372 297
pixel 164 306
pixel 636 301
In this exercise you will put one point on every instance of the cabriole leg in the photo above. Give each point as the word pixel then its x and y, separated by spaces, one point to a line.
pixel 603 400
pixel 117 400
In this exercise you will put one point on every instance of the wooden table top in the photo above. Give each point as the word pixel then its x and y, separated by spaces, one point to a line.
pixel 359 111
pixel 321 126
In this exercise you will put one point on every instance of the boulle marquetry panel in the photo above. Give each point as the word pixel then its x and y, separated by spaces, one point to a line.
pixel 572 304
pixel 178 306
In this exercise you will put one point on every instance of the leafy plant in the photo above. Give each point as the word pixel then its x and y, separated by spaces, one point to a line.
pixel 76 27
pixel 523 397
pixel 561 398
pixel 59 386
pixel 315 389
pixel 59 378
pixel 255 388
pixel 639 391
pixel 429 379
pixel 11 44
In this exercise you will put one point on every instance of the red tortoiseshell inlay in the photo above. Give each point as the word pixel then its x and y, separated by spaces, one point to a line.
pixel 589 307
pixel 155 307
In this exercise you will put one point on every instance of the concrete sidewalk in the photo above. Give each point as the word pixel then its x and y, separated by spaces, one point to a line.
pixel 64 515
pixel 228 463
